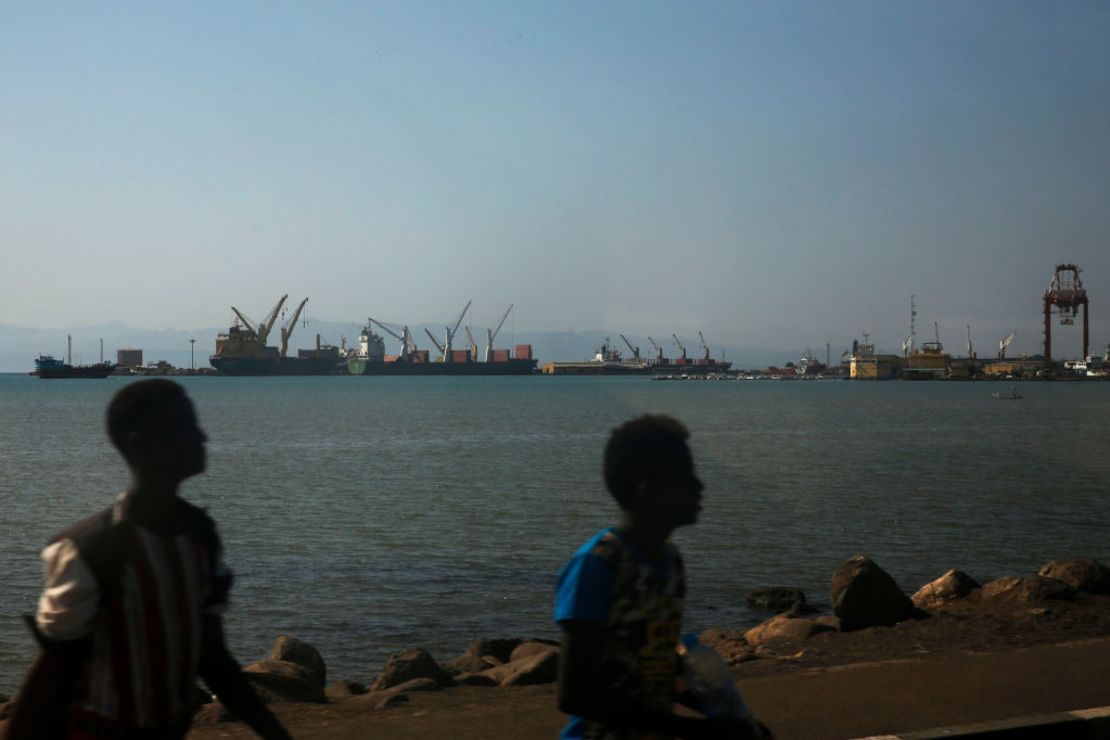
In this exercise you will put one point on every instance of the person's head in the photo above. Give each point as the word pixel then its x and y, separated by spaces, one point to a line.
pixel 649 470
pixel 153 425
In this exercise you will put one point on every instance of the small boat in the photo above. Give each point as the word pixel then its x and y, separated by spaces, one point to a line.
pixel 1014 395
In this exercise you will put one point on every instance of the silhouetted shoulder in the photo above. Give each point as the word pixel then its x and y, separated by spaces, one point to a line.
pixel 86 530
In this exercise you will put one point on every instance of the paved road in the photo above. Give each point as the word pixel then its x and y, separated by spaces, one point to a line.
pixel 839 702
pixel 854 701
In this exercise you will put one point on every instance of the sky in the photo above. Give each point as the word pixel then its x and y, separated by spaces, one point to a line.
pixel 775 174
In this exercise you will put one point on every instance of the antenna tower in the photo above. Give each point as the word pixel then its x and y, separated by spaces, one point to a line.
pixel 913 322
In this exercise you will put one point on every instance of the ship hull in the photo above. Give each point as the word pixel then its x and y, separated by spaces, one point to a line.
pixel 252 366
pixel 511 367
pixel 631 368
pixel 100 371
pixel 692 368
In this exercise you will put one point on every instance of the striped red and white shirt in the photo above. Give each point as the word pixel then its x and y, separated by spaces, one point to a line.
pixel 138 597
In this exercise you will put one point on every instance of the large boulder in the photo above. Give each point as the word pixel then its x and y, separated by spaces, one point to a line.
pixel 533 669
pixel 1083 574
pixel 955 584
pixel 1028 589
pixel 281 680
pixel 297 651
pixel 779 599
pixel 530 648
pixel 295 671
pixel 784 628
pixel 478 654
pixel 864 595
pixel 407 665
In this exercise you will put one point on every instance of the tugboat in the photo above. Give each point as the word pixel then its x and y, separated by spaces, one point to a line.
pixel 49 368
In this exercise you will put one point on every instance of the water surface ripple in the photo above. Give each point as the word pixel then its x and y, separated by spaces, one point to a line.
pixel 365 515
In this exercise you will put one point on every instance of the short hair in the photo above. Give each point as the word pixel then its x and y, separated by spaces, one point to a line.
pixel 634 447
pixel 137 404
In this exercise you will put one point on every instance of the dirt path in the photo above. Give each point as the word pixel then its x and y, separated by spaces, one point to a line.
pixel 826 702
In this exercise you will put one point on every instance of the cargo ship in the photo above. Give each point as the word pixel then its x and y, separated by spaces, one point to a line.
pixel 609 361
pixel 48 367
pixel 371 359
pixel 242 349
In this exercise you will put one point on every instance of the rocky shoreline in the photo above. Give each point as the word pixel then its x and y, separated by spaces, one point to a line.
pixel 872 620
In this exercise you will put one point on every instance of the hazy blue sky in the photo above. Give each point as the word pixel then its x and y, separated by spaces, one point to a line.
pixel 776 174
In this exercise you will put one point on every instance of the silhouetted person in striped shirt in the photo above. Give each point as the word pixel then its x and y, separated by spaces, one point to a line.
pixel 131 612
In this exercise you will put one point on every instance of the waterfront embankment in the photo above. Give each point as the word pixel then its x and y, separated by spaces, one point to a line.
pixel 955 652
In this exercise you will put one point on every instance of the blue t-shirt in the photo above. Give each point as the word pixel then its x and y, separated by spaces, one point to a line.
pixel 608 582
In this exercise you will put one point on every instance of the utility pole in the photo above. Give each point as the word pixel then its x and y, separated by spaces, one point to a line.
pixel 192 364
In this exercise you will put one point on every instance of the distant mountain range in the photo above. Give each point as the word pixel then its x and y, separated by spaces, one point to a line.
pixel 19 346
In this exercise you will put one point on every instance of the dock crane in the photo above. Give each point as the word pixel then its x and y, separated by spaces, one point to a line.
pixel 267 324
pixel 472 343
pixel 491 335
pixel 635 350
pixel 704 346
pixel 246 322
pixel 262 329
pixel 1003 344
pixel 680 347
pixel 437 345
pixel 446 349
pixel 287 330
pixel 658 350
pixel 408 346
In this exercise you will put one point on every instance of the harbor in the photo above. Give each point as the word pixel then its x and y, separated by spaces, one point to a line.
pixel 243 349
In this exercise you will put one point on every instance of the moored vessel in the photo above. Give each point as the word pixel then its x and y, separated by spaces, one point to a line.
pixel 609 361
pixel 242 349
pixel 371 359
pixel 48 367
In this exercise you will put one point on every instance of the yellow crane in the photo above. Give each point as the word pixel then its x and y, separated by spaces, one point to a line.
pixel 264 328
pixel 287 330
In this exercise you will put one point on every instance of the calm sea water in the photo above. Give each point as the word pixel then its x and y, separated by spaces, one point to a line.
pixel 366 515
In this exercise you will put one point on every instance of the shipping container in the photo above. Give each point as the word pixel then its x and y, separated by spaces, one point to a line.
pixel 391 358
pixel 460 355
pixel 702 361
pixel 499 355
pixel 524 352
pixel 420 355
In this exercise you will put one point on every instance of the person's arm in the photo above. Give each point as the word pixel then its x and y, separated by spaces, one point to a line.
pixel 42 705
pixel 581 693
pixel 65 611
pixel 220 671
